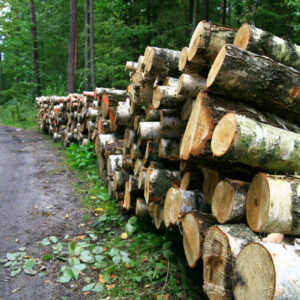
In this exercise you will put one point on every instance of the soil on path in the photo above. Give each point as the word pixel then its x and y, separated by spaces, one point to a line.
pixel 36 193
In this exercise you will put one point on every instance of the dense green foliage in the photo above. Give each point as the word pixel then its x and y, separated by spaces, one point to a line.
pixel 122 31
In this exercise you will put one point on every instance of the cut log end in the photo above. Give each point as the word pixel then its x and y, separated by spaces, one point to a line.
pixel 243 36
pixel 254 278
pixel 257 203
pixel 222 201
pixel 156 97
pixel 224 135
pixel 191 239
pixel 215 68
pixel 183 59
pixel 195 40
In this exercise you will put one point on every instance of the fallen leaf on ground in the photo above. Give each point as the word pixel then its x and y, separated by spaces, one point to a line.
pixel 47 281
pixel 147 286
pixel 127 266
pixel 99 209
pixel 66 216
pixel 101 278
pixel 110 286
pixel 124 235
pixel 15 290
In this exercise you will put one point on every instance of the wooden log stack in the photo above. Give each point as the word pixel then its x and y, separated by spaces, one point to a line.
pixel 207 139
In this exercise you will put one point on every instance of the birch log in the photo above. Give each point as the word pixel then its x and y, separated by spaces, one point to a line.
pixel 253 143
pixel 188 67
pixel 267 271
pixel 207 40
pixel 194 227
pixel 228 201
pixel 273 205
pixel 261 81
pixel 189 85
pixel 221 247
pixel 265 43
pixel 166 97
pixel 157 183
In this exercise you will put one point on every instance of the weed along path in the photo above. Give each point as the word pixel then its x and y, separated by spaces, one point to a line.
pixel 36 196
pixel 50 249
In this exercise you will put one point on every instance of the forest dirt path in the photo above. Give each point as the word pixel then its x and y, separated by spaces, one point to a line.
pixel 36 193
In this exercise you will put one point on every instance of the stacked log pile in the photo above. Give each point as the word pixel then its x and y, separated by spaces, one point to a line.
pixel 189 144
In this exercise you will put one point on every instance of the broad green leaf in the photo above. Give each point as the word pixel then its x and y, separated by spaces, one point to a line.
pixel 65 278
pixel 100 264
pixel 87 279
pixel 45 242
pixel 12 256
pixel 3 260
pixel 99 257
pixel 15 272
pixel 47 257
pixel 106 276
pixel 129 229
pixel 22 249
pixel 57 248
pixel 28 267
pixel 53 239
pixel 98 250
pixel 87 257
pixel 74 261
pixel 88 287
pixel 117 259
pixel 102 218
pixel 113 252
pixel 80 267
pixel 8 264
pixel 132 220
pixel 93 236
pixel 74 273
pixel 99 288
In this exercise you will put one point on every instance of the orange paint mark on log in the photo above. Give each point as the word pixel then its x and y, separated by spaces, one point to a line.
pixel 99 126
pixel 105 100
pixel 294 93
pixel 111 116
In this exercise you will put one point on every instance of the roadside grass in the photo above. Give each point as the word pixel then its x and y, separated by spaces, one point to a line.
pixel 18 114
pixel 143 263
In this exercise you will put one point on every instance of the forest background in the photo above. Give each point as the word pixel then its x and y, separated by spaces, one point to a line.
pixel 34 36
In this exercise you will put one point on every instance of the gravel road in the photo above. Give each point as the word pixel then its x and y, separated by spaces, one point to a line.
pixel 36 193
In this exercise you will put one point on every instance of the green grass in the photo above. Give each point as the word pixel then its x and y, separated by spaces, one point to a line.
pixel 147 264
pixel 20 114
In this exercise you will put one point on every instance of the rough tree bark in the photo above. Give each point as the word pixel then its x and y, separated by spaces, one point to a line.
pixel 223 12
pixel 261 81
pixel 205 10
pixel 35 49
pixel 72 42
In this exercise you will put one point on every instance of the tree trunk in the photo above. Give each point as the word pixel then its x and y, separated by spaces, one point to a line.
pixel 221 247
pixel 72 41
pixel 189 85
pixel 157 183
pixel 272 204
pixel 207 41
pixel 194 227
pixel 1 73
pixel 228 201
pixel 240 139
pixel 223 12
pixel 162 62
pixel 265 43
pixel 92 45
pixel 239 72
pixel 86 45
pixel 195 13
pixel 35 49
pixel 267 271
pixel 205 10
